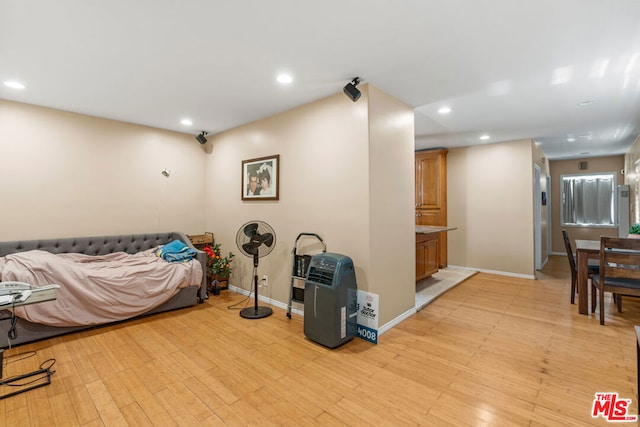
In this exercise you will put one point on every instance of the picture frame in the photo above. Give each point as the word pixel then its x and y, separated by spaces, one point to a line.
pixel 261 178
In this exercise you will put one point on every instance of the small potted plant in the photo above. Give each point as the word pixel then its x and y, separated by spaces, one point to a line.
pixel 634 231
pixel 218 267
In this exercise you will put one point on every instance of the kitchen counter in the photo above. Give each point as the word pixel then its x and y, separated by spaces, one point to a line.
pixel 428 258
pixel 430 229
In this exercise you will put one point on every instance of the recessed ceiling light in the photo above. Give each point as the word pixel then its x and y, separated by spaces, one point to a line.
pixel 284 79
pixel 186 122
pixel 485 137
pixel 14 85
pixel 585 102
pixel 444 110
pixel 571 139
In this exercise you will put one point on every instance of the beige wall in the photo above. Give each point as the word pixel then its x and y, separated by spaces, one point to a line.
pixel 340 178
pixel 570 167
pixel 66 174
pixel 346 174
pixel 391 206
pixel 490 201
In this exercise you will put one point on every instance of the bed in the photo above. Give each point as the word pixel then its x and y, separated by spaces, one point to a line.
pixel 127 265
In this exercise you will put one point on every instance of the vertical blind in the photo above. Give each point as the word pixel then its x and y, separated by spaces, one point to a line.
pixel 588 200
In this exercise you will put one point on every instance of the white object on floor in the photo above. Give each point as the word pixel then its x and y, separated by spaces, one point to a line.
pixel 427 290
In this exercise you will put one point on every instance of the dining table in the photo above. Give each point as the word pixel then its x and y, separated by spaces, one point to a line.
pixel 585 250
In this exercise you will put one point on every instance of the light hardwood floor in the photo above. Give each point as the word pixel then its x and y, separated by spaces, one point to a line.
pixel 493 351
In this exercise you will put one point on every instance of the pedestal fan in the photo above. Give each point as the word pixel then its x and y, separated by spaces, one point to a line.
pixel 256 239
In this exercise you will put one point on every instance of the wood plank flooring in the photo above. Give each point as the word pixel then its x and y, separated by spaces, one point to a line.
pixel 494 350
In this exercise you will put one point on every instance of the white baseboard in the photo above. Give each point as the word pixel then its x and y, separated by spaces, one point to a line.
pixel 404 316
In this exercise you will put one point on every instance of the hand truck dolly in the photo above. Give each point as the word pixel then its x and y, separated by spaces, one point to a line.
pixel 299 271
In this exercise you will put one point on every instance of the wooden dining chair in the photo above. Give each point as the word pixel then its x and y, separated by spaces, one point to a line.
pixel 619 270
pixel 593 268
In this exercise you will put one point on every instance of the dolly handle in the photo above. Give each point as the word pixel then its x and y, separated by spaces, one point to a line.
pixel 324 246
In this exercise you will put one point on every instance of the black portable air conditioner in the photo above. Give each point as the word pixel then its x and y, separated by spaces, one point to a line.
pixel 330 300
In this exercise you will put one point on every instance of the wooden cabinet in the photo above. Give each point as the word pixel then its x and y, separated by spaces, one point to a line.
pixel 431 184
pixel 426 255
pixel 431 195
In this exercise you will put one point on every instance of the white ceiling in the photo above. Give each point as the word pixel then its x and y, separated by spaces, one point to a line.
pixel 493 62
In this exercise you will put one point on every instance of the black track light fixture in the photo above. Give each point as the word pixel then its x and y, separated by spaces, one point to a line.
pixel 201 137
pixel 351 90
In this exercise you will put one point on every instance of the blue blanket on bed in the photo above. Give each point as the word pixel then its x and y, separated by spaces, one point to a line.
pixel 176 251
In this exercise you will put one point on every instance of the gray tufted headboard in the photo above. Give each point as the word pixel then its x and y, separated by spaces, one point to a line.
pixel 101 245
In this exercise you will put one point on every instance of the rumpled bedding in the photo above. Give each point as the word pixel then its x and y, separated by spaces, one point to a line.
pixel 97 289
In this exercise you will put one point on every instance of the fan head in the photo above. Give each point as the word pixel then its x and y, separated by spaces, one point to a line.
pixel 256 238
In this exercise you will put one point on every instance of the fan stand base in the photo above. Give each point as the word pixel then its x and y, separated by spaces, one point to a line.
pixel 256 312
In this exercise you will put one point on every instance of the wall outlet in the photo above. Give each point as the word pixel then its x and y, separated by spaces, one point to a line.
pixel 265 280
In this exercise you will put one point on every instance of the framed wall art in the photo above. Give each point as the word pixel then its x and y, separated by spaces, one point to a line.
pixel 260 178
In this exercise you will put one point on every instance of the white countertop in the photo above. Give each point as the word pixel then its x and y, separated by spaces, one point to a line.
pixel 429 229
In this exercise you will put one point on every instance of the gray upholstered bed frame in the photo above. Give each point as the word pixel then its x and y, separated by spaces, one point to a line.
pixel 97 245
